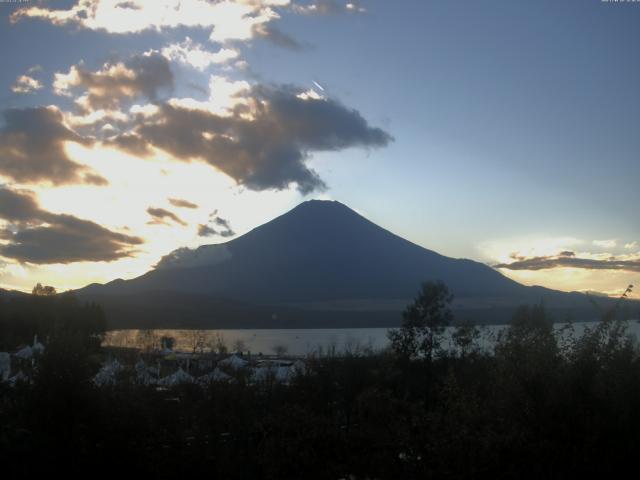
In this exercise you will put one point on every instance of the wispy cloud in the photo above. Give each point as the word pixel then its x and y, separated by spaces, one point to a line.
pixel 607 244
pixel 181 203
pixel 161 215
pixel 568 259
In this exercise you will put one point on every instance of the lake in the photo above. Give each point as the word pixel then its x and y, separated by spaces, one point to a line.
pixel 298 341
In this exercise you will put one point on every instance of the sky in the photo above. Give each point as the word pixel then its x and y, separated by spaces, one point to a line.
pixel 501 131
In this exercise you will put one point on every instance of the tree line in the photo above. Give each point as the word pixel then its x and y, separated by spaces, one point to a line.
pixel 542 403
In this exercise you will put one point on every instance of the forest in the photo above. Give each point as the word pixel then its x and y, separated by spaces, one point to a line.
pixel 542 403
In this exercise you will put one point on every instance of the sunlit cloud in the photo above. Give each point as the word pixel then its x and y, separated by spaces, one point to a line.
pixel 565 263
pixel 265 140
pixel 26 84
pixel 573 260
pixel 329 7
pixel 142 75
pixel 224 97
pixel 503 251
pixel 227 19
pixel 607 244
pixel 196 55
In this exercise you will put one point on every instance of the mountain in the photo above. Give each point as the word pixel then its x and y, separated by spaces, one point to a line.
pixel 320 264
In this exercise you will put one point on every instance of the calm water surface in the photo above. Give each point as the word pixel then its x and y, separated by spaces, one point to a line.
pixel 298 341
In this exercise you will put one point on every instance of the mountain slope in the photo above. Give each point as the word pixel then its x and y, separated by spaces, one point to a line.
pixel 323 256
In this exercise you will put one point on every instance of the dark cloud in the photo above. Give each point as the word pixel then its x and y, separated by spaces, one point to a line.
pixel 40 237
pixel 277 37
pixel 225 229
pixel 32 148
pixel 128 5
pixel 180 203
pixel 142 75
pixel 160 215
pixel 207 231
pixel 129 143
pixel 268 149
pixel 221 222
pixel 568 259
pixel 18 206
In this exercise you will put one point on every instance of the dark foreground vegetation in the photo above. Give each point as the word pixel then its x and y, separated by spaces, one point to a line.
pixel 540 404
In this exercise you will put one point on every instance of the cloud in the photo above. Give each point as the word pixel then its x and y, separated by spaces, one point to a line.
pixel 133 144
pixel 142 75
pixel 221 222
pixel 180 203
pixel 160 215
pixel 571 260
pixel 605 243
pixel 32 148
pixel 265 140
pixel 227 20
pixel 329 7
pixel 277 37
pixel 18 206
pixel 205 230
pixel 632 245
pixel 197 56
pixel 225 96
pixel 40 237
pixel 26 84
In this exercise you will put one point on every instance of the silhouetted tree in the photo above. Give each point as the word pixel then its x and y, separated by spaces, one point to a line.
pixel 43 291
pixel 464 337
pixel 423 322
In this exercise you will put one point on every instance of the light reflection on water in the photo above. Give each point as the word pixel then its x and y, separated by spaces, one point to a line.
pixel 298 341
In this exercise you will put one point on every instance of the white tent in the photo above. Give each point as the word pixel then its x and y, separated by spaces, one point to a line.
pixel 281 371
pixel 234 361
pixel 37 347
pixel 18 378
pixel 279 374
pixel 300 367
pixel 107 375
pixel 5 366
pixel 176 378
pixel 145 375
pixel 25 353
pixel 215 376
